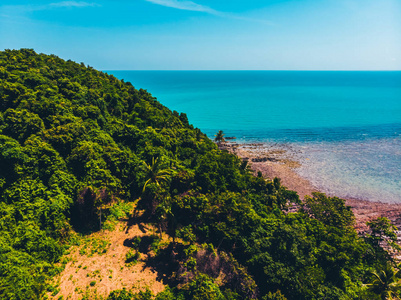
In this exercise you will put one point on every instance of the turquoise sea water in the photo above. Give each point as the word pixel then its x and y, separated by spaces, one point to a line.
pixel 345 127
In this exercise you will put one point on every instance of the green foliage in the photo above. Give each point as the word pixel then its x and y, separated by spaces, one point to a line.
pixel 203 288
pixel 154 173
pixel 78 145
pixel 121 210
pixel 118 211
pixel 274 296
pixel 170 294
pixel 218 171
pixel 386 282
pixel 21 275
pixel 143 295
pixel 131 258
pixel 219 137
pixel 93 245
pixel 329 210
pixel 167 294
pixel 21 124
pixel 382 238
pixel 121 295
pixel 72 139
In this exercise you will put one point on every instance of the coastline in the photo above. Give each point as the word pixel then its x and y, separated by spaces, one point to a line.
pixel 278 162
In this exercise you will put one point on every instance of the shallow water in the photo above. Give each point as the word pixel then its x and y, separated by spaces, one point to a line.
pixel 345 127
pixel 367 170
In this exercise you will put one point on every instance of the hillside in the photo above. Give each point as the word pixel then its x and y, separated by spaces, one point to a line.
pixel 83 153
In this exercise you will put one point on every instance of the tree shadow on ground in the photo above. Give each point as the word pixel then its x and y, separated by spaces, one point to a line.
pixel 144 244
pixel 138 218
pixel 167 264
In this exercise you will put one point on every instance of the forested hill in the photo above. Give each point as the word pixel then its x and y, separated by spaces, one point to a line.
pixel 74 140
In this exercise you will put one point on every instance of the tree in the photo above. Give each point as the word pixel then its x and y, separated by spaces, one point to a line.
pixel 382 236
pixel 152 191
pixel 154 173
pixel 219 137
pixel 280 195
pixel 386 283
pixel 203 288
pixel 276 296
pixel 331 211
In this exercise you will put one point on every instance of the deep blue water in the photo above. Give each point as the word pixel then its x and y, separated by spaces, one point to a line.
pixel 344 126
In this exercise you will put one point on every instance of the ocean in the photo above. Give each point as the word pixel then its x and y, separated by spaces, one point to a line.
pixel 343 126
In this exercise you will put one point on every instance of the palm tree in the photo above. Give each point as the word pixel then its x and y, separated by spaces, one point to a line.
pixel 154 173
pixel 386 283
pixel 219 137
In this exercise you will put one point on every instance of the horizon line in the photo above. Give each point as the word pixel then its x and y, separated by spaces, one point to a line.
pixel 247 70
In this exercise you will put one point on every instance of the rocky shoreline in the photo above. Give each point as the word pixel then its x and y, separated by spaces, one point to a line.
pixel 275 161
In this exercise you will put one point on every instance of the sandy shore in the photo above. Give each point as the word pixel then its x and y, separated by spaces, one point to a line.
pixel 277 162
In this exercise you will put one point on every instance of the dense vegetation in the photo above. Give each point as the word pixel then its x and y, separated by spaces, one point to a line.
pixel 74 140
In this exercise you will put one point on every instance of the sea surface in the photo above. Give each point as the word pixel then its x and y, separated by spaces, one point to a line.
pixel 343 126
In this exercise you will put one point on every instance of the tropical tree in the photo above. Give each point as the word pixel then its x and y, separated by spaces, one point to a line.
pixel 386 283
pixel 331 211
pixel 154 173
pixel 382 232
pixel 152 191
pixel 280 195
pixel 219 137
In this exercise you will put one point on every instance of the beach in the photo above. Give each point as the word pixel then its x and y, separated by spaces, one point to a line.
pixel 277 161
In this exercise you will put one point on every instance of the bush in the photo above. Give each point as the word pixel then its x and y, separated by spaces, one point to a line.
pixel 121 295
pixel 131 258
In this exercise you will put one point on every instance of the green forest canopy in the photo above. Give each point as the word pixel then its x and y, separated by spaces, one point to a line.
pixel 73 139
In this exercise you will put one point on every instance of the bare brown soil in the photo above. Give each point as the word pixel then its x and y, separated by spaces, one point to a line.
pixel 276 163
pixel 95 276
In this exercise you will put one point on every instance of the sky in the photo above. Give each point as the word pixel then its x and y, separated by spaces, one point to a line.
pixel 209 35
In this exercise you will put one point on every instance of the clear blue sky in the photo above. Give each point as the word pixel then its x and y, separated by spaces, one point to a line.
pixel 211 35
